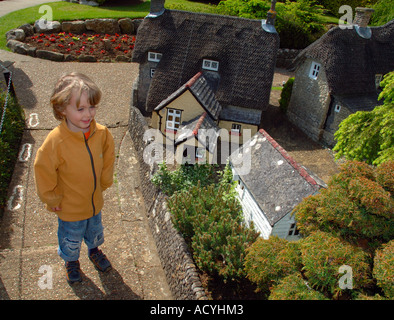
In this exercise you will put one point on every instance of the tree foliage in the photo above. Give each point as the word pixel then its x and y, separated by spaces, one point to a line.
pixel 269 261
pixel 356 206
pixel 322 256
pixel 369 135
pixel 298 23
pixel 384 268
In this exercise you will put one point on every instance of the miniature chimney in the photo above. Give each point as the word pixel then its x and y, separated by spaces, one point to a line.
pixel 271 14
pixel 156 8
pixel 363 15
pixel 269 24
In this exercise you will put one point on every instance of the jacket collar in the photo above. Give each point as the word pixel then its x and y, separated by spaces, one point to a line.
pixel 79 135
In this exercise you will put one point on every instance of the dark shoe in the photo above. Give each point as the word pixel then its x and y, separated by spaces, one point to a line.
pixel 100 261
pixel 73 272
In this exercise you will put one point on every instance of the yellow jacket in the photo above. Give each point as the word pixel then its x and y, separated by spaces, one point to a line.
pixel 72 172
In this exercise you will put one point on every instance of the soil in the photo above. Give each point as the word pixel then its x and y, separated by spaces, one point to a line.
pixel 103 47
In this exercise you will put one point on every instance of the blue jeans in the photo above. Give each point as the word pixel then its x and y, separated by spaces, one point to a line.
pixel 71 233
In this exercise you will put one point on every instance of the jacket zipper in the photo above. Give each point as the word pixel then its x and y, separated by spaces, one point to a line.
pixel 94 173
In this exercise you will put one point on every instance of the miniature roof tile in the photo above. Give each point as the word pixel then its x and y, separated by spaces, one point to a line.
pixel 351 62
pixel 203 128
pixel 276 182
pixel 246 55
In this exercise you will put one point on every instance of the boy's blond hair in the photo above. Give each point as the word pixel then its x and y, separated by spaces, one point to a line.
pixel 66 86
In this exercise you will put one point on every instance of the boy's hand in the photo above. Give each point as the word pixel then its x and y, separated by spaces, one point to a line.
pixel 56 209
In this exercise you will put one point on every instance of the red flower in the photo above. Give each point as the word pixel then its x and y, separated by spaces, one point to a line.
pixel 60 45
pixel 102 51
pixel 126 51
pixel 40 40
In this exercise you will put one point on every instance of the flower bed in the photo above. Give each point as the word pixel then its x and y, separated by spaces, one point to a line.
pixel 103 47
pixel 92 40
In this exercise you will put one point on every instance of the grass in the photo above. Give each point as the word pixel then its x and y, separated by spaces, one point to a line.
pixel 65 11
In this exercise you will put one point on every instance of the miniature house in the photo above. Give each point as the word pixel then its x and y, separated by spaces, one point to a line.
pixel 271 187
pixel 236 56
pixel 339 74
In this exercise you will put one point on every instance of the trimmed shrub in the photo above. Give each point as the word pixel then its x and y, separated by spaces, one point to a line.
pixel 286 95
pixel 211 222
pixel 268 261
pixel 323 254
pixel 294 287
pixel 383 269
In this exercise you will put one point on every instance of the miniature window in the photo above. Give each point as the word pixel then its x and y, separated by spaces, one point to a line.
pixel 293 231
pixel 173 119
pixel 152 72
pixel 314 71
pixel 154 56
pixel 378 79
pixel 210 65
pixel 337 108
pixel 235 129
pixel 200 152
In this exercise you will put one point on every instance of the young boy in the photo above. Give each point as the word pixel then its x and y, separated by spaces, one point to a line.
pixel 72 168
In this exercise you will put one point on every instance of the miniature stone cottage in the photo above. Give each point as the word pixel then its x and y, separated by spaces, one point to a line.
pixel 339 74
pixel 270 185
pixel 174 46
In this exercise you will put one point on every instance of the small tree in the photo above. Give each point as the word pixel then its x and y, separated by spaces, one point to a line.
pixel 268 261
pixel 369 135
pixel 323 254
pixel 355 206
pixel 294 287
pixel 383 269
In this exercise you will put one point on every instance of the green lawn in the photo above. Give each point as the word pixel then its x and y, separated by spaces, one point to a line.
pixel 65 11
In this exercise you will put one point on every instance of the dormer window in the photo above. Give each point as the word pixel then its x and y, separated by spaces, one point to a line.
pixel 314 71
pixel 210 65
pixel 154 56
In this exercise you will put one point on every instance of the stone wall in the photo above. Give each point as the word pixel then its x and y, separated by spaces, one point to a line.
pixel 309 102
pixel 285 57
pixel 175 257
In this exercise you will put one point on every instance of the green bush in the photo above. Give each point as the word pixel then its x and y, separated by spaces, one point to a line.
pixel 368 135
pixel 355 206
pixel 294 287
pixel 384 12
pixel 333 5
pixel 298 23
pixel 268 261
pixel 286 95
pixel 184 177
pixel 10 137
pixel 383 269
pixel 322 256
pixel 211 222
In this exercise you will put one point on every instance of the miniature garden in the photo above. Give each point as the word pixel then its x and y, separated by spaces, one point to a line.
pixel 349 223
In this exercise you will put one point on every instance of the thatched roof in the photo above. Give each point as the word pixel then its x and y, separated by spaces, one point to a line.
pixel 276 182
pixel 350 61
pixel 246 55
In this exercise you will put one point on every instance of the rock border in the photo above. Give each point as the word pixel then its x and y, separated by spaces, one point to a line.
pixel 15 37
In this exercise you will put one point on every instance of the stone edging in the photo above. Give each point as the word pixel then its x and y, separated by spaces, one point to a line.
pixel 15 37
